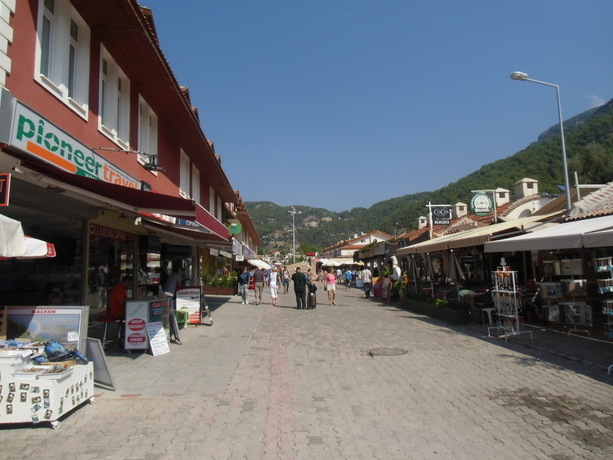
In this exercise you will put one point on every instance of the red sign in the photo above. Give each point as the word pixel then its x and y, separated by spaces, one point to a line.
pixel 5 188
pixel 136 338
pixel 136 324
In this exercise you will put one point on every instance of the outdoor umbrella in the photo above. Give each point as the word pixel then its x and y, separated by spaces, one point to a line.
pixel 13 243
pixel 429 273
pixel 412 270
pixel 455 274
pixel 259 264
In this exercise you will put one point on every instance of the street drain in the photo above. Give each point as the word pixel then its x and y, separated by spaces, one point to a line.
pixel 385 351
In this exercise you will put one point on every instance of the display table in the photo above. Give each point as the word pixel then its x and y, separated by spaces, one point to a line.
pixel 32 393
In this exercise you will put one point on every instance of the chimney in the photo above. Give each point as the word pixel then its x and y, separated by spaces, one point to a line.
pixel 526 187
pixel 459 210
pixel 502 196
pixel 422 222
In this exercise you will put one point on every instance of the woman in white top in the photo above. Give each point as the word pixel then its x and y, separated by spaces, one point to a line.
pixel 274 284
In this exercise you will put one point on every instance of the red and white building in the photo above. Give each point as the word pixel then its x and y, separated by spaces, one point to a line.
pixel 106 155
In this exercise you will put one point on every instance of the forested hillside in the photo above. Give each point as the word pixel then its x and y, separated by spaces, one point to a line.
pixel 589 146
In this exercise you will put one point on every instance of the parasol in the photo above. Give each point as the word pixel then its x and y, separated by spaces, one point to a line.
pixel 412 270
pixel 429 273
pixel 455 274
pixel 13 243
pixel 259 264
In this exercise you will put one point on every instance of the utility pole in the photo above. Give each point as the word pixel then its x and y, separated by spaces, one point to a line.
pixel 293 213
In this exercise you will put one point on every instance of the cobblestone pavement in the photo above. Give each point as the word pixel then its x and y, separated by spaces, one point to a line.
pixel 360 380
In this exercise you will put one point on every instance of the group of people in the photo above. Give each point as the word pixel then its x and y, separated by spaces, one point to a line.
pixel 305 287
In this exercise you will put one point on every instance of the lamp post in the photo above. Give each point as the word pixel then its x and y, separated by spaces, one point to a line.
pixel 521 76
pixel 293 213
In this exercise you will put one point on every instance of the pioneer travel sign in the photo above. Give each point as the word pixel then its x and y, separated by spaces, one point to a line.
pixel 40 138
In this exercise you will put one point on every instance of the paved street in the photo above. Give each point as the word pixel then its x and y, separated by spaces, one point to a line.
pixel 270 382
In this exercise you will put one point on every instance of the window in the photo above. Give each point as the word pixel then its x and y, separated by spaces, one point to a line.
pixel 184 175
pixel 195 184
pixel 62 55
pixel 147 133
pixel 114 101
pixel 211 200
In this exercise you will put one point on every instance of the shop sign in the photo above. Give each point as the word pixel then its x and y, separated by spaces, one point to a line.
pixel 112 233
pixel 40 138
pixel 441 216
pixel 173 251
pixel 5 188
pixel 481 204
pixel 214 252
pixel 226 254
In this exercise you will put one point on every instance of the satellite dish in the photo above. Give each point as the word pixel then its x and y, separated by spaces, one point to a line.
pixel 234 228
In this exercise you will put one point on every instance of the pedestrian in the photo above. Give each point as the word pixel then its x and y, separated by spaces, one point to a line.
pixel 309 275
pixel 321 277
pixel 243 285
pixel 348 278
pixel 274 282
pixel 118 298
pixel 259 278
pixel 300 288
pixel 286 277
pixel 367 280
pixel 331 287
pixel 172 282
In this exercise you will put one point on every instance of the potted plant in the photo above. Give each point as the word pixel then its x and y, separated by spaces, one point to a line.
pixel 220 284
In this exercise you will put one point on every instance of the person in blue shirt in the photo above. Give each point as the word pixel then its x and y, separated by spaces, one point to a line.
pixel 348 278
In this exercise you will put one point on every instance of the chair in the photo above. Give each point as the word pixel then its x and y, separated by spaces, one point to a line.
pixel 182 316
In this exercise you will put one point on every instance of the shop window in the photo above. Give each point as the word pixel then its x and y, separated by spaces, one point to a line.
pixel 114 114
pixel 63 54
pixel 195 184
pixel 147 133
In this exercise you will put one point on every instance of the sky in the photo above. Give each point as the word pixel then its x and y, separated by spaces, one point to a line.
pixel 341 104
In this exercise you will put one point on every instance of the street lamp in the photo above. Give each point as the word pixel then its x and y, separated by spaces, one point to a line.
pixel 293 213
pixel 521 76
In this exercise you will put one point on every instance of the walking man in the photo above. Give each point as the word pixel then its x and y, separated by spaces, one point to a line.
pixel 367 279
pixel 300 288
pixel 259 277
pixel 243 285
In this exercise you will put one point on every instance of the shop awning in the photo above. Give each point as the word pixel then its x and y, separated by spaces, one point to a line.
pixel 475 236
pixel 139 201
pixel 566 235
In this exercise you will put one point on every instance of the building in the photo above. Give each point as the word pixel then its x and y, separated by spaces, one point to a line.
pixel 106 156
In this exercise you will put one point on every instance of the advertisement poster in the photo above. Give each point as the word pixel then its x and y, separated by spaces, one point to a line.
pixel 157 339
pixel 136 324
pixel 138 314
pixel 189 298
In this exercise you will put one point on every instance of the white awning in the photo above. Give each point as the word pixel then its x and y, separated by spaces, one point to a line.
pixel 568 235
pixel 476 236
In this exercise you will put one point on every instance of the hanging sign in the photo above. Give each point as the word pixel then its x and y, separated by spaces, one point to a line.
pixel 441 216
pixel 481 204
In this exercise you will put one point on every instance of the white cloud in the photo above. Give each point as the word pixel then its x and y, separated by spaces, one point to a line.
pixel 596 101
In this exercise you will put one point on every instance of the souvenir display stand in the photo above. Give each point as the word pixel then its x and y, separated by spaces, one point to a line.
pixel 31 393
pixel 507 304
pixel 604 267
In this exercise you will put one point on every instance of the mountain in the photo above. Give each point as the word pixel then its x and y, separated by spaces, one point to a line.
pixel 589 149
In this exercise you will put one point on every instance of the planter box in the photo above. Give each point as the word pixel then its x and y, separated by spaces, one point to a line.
pixel 215 290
